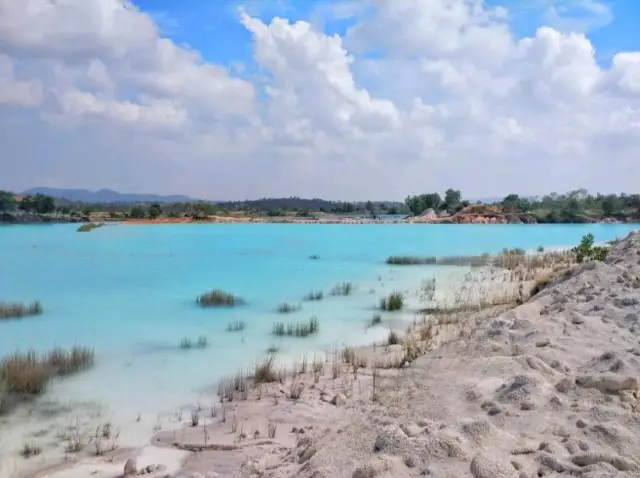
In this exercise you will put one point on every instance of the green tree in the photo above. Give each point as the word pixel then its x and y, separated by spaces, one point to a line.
pixel 155 210
pixel 44 204
pixel 7 201
pixel 137 212
pixel 586 251
pixel 452 198
pixel 419 204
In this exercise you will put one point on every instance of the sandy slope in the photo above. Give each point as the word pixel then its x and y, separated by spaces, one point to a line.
pixel 550 388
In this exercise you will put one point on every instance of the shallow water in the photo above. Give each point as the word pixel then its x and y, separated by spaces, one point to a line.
pixel 129 291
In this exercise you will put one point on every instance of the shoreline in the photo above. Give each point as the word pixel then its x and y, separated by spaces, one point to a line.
pixel 460 220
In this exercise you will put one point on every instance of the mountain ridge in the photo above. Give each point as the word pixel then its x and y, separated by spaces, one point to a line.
pixel 105 195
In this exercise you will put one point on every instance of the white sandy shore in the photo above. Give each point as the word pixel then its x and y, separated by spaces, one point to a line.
pixel 551 388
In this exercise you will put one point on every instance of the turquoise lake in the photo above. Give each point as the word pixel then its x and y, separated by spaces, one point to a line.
pixel 129 292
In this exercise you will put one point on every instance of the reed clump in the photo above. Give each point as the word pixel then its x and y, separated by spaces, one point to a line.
pixel 201 343
pixel 314 296
pixel 219 298
pixel 342 289
pixel 265 371
pixel 411 260
pixel 90 226
pixel 236 326
pixel 26 374
pixel 287 308
pixel 394 302
pixel 67 362
pixel 298 329
pixel 17 310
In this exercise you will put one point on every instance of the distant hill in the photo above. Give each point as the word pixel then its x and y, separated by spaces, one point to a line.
pixel 104 196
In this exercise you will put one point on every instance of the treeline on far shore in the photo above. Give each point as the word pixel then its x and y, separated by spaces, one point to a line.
pixel 576 206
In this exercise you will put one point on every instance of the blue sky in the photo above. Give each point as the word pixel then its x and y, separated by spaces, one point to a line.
pixel 213 27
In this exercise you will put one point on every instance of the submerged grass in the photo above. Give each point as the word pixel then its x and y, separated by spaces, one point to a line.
pixel 235 326
pixel 219 298
pixel 287 308
pixel 17 310
pixel 314 295
pixel 395 301
pixel 344 289
pixel 90 226
pixel 299 329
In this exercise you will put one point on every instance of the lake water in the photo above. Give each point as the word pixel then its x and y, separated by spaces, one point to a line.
pixel 129 292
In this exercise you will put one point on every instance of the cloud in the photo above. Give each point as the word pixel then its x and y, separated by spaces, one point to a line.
pixel 415 96
pixel 578 15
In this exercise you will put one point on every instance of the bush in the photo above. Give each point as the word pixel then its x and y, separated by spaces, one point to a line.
pixel 395 301
pixel 586 251
pixel 218 298
pixel 18 310
pixel 376 320
pixel 346 288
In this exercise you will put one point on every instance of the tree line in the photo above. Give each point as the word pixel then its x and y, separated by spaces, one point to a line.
pixel 574 206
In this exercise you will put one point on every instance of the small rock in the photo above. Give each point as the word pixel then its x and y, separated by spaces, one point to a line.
pixel 577 318
pixel 564 385
pixel 339 400
pixel 410 461
pixel 543 343
pixel 581 424
pixel 411 430
pixel 483 466
pixel 527 405
pixel 130 468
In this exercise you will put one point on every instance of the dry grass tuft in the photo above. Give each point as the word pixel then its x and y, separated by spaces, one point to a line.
pixel 27 374
pixel 218 298
pixel 17 310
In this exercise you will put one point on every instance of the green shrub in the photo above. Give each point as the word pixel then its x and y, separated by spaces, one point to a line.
pixel 17 310
pixel 586 251
pixel 394 302
pixel 218 298
pixel 376 320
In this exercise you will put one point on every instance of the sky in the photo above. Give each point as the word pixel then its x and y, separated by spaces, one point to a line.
pixel 339 99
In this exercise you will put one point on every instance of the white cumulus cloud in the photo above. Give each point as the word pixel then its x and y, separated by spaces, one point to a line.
pixel 417 95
